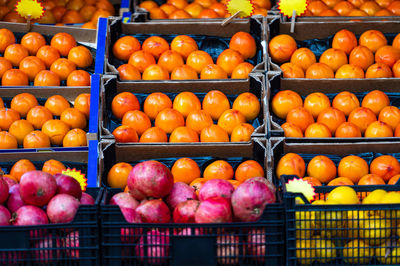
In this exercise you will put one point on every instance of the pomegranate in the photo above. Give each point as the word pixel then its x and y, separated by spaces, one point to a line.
pixel 150 178
pixel 188 231
pixel 68 185
pixel 154 211
pixel 216 188
pixel 29 215
pixel 249 200
pixel 86 199
pixel 12 257
pixel 263 180
pixel 71 243
pixel 228 249
pixel 14 201
pixel 130 235
pixel 185 211
pixel 62 208
pixel 3 190
pixel 157 246
pixel 37 188
pixel 256 246
pixel 46 249
pixel 5 216
pixel 124 200
pixel 10 182
pixel 180 192
pixel 214 210
pixel 131 215
pixel 137 194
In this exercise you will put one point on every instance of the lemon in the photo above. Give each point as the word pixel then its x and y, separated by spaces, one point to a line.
pixel 374 197
pixel 305 225
pixel 391 198
pixel 344 195
pixel 325 249
pixel 330 220
pixel 357 252
pixel 355 220
pixel 375 230
pixel 393 257
pixel 305 251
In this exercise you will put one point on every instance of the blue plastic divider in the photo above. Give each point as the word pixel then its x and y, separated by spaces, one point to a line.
pixel 94 103
pixel 124 4
pixel 101 45
pixel 92 163
pixel 126 17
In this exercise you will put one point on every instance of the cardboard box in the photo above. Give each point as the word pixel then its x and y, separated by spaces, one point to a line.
pixel 342 18
pixel 208 27
pixel 111 86
pixel 276 83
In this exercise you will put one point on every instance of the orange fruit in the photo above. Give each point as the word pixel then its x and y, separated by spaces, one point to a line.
pixel 14 77
pixel 348 130
pixel 197 184
pixel 117 177
pixel 387 55
pixel 292 131
pixel 141 60
pixel 183 72
pixel 183 134
pixel 4 66
pixel 125 134
pixel 220 9
pixel 317 130
pixel 208 13
pixel 378 129
pixel 378 70
pixel 362 57
pixel 300 117
pixel 362 117
pixel 357 13
pixel 341 181
pixel 291 164
pixel 357 3
pixel 6 38
pixel 155 45
pixel 63 42
pixel 32 41
pixel 185 170
pixel 215 103
pixel 157 13
pixel 46 78
pixel 7 117
pixel 322 168
pixel 242 132
pixel 313 181
pixel 56 104
pixel 82 103
pixel 169 119
pixel 128 72
pixel 179 14
pixel 344 40
pixel 303 57
pixel 194 9
pixel 80 56
pixel 15 53
pixel 23 102
pixel 7 141
pixel 72 16
pixel 56 130
pixel 332 118
pixel 230 119
pixel 185 102
pixel 385 166
pixel 74 118
pixel 383 13
pixel 58 12
pixel 78 78
pixel 317 7
pixel 260 11
pixel 53 167
pixel 199 60
pixel 396 69
pixel 168 9
pixel 19 129
pixel 242 71
pixel 179 4
pixel 248 104
pixel 346 102
pixel 329 13
pixel 248 169
pixel 396 41
pixel 148 5
pixel 394 7
pixel 375 100
pixel 14 17
pixel 394 180
pixel 100 13
pixel 125 46
pixel 154 134
pixel 62 67
pixel 87 12
pixel 353 167
pixel 243 43
pixel 284 101
pixel 137 120
pixel 343 8
pixel 263 3
pixel 75 138
pixel 36 139
pixel 31 66
pixel 291 70
pixel 48 55
pixel 124 102
pixel 371 179
pixel 155 103
pixel 390 115
pixel 349 72
pixel 219 169
pixel 334 58
pixel 316 102
pixel 38 115
pixel 155 72
pixel 213 71
pixel 373 40
pixel 281 48
pixel 319 71
pixel 198 119
pixel 214 133
pixel 170 60
pixel 21 167
pixel 228 60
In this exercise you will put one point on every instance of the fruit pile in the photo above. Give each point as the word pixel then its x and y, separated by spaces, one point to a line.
pixel 63 12
pixel 369 57
pixel 34 62
pixel 55 123
pixel 181 9
pixel 141 58
pixel 376 118
pixel 355 236
pixel 353 8
pixel 169 117
pixel 351 170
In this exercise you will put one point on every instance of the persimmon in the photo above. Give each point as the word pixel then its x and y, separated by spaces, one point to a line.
pixel 63 42
pixel 185 102
pixel 137 120
pixel 281 48
pixel 248 104
pixel 185 170
pixel 228 60
pixel 344 40
pixel 75 5
pixel 14 77
pixel 383 13
pixel 15 53
pixel 329 13
pixel 248 169
pixel 183 134
pixel 46 78
pixel 155 103
pixel 230 119
pixel 153 134
pixel 370 7
pixel 215 103
pixel 357 3
pixel 313 181
pixel 168 9
pixel 348 130
pixel 362 117
pixel 32 41
pixel 300 117
pixel 183 72
pixel 155 45
pixel 71 17
pixel 243 43
pixel 397 131
pixel 36 139
pixel 4 66
pixel 23 102
pixel 19 129
pixel 78 78
pixel 75 138
pixel 213 71
pixel 128 72
pixel 56 130
pixel 242 71
pixel 74 118
pixel 58 12
pixel 322 168
pixel 179 4
pixel 387 55
pixel 348 71
pixel 343 8
pixel 334 58
pixel 219 169
pixel 378 129
pixel 157 13
pixel 260 11
pixel 214 133
pixel 317 7
pixel 13 16
pixel 292 131
pixel 375 100
pixel 362 57
pixel 38 115
pixel 290 70
pixel 148 5
pixel 197 184
pixel 394 7
pixel 303 57
pixel 87 12
pixel 169 119
pixel 194 9
pixel 396 41
pixel 21 167
pixel 198 119
pixel 208 13
pixel 7 117
pixel 100 13
pixel 220 9
pixel 56 104
pixel 117 177
pixel 357 13
pixel 341 181
pixel 141 60
pixel 170 60
pixel 53 167
pixel 332 118
pixel 179 14
pixel 82 103
pixel 62 67
pixel 319 71
pixel 6 38
pixel 390 115
pixel 284 101
pixel 385 166
pixel 291 164
pixel 378 70
pixel 7 141
pixel 394 180
pixel 317 130
pixel 31 66
pixel 199 60
pixel 316 102
pixel 155 72
pixel 125 133
pixel 371 179
pixel 125 46
pixel 373 40
pixel 396 69
pixel 80 56
pixel 48 55
pixel 263 4
pixel 242 132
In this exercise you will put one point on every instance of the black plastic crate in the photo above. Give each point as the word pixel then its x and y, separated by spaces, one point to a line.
pixel 55 244
pixel 366 234
pixel 190 244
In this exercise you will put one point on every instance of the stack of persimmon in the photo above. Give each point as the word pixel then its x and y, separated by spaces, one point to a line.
pixel 317 117
pixel 187 170
pixel 185 118
pixel 351 170
pixel 181 9
pixel 32 60
pixel 27 124
pixel 156 59
pixel 353 8
pixel 368 57
pixel 63 12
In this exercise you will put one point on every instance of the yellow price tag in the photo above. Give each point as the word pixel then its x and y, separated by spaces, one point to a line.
pixel 76 174
pixel 287 7
pixel 29 9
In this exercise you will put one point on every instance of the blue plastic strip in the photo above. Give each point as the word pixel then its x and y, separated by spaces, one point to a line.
pixel 50 149
pixel 126 17
pixel 125 4
pixel 92 163
pixel 94 103
pixel 101 45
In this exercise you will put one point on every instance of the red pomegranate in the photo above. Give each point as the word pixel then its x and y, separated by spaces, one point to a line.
pixel 44 250
pixel 12 257
pixel 37 188
pixel 228 249
pixel 68 185
pixel 263 180
pixel 10 182
pixel 153 211
pixel 151 179
pixel 71 243
pixel 157 246
pixel 124 200
pixel 185 211
pixel 130 235
pixel 29 215
pixel 5 216
pixel 249 200
pixel 256 246
pixel 14 201
pixel 180 192
pixel 3 190
pixel 62 208
pixel 214 210
pixel 190 231
pixel 86 199
pixel 216 188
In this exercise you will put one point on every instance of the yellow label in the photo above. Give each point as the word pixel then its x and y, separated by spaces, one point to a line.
pixel 301 186
pixel 245 7
pixel 76 174
pixel 286 7
pixel 29 8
